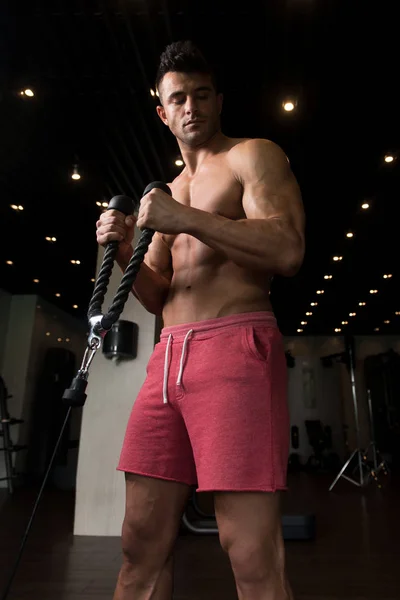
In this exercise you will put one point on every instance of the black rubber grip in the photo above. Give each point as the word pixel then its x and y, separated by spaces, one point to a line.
pixel 122 203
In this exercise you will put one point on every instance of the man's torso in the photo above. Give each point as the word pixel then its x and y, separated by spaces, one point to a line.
pixel 206 285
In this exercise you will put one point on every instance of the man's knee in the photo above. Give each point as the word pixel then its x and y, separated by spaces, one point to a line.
pixel 144 541
pixel 254 560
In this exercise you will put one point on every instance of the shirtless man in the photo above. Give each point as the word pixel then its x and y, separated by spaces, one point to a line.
pixel 213 409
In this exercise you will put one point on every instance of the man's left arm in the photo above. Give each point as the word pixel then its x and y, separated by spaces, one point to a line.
pixel 271 238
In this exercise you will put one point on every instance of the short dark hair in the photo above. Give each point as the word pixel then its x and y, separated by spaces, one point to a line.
pixel 183 57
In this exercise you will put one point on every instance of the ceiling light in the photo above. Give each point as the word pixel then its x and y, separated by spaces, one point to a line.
pixel 58 295
pixel 299 331
pixel 98 203
pixel 9 262
pixel 320 292
pixel 104 204
pixel 36 281
pixel 397 313
pixel 336 258
pixel 345 322
pixel 92 280
pixel 376 329
pixel 15 207
pixel 75 173
pixel 51 239
pixel 389 158
pixel 152 92
pixel 337 330
pixel 28 92
pixel 361 303
pixel 349 234
pixel 327 276
pixel 387 276
pixel 288 106
pixel 179 162
pixel 75 306
pixel 304 323
pixel 365 205
pixel 67 339
pixel 308 314
pixel 59 339
pixel 352 314
pixel 386 322
pixel 76 262
pixel 47 333
pixel 373 291
pixel 314 303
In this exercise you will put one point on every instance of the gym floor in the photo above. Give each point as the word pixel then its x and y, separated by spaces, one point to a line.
pixel 355 556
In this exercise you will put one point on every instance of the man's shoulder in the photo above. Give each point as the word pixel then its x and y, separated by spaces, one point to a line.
pixel 251 146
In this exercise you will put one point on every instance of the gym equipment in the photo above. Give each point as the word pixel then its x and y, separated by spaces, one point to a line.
pixel 294 527
pixel 100 324
pixel 365 473
pixel 8 447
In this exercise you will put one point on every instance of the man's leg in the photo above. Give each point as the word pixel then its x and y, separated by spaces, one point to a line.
pixel 251 533
pixel 154 509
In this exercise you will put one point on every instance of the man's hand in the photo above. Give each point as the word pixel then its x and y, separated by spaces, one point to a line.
pixel 159 211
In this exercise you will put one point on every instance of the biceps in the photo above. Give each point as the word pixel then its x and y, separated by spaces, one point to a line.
pixel 159 258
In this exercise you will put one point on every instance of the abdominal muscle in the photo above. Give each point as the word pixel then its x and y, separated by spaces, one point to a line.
pixel 212 287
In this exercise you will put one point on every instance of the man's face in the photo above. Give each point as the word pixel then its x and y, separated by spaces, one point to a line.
pixel 190 107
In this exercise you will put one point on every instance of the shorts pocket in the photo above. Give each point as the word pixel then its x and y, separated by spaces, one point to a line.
pixel 257 342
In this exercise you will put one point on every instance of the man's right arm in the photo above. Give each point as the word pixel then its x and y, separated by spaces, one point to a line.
pixel 152 283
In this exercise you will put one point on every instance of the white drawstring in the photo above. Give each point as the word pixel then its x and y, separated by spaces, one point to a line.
pixel 183 357
pixel 166 364
pixel 165 390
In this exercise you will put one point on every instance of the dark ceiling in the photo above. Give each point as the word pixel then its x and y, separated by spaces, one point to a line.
pixel 91 65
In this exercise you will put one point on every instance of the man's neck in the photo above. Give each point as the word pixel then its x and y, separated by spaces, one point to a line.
pixel 194 157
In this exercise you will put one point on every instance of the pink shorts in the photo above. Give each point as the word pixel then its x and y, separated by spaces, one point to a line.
pixel 213 410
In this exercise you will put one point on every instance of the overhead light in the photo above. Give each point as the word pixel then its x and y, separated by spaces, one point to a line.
pixel 304 323
pixel 75 173
pixel 51 239
pixel 376 329
pixel 47 333
pixel 327 276
pixel 98 203
pixel 373 291
pixel 299 331
pixel 361 303
pixel 92 280
pixel 288 106
pixel 152 92
pixel 345 322
pixel 9 262
pixel 338 330
pixel 28 92
pixel 17 207
pixel 314 303
pixel 67 340
pixel 352 314
pixel 58 295
pixel 349 234
pixel 397 312
pixel 76 262
pixel 320 291
pixel 104 204
pixel 386 322
pixel 59 339
pixel 308 314
pixel 389 158
pixel 387 276
pixel 179 162
pixel 336 258
pixel 36 281
pixel 75 306
pixel 365 205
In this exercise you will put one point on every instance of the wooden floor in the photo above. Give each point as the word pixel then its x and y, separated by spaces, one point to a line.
pixel 356 554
